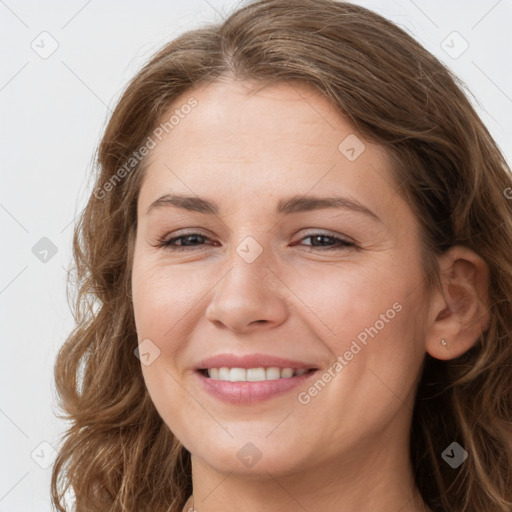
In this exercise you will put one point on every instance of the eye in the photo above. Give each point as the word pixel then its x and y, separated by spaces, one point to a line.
pixel 321 238
pixel 189 241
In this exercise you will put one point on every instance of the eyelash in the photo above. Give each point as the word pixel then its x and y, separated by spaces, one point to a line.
pixel 168 244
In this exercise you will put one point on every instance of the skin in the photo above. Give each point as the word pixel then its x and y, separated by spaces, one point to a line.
pixel 245 148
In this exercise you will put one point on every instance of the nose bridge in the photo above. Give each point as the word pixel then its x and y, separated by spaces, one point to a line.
pixel 250 291
pixel 252 264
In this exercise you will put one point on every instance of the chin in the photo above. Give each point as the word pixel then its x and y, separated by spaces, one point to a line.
pixel 251 460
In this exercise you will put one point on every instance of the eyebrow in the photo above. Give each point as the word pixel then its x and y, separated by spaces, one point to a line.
pixel 294 204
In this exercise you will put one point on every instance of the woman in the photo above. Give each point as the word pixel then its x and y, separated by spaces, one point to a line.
pixel 294 280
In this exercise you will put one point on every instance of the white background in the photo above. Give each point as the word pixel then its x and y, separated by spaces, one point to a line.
pixel 52 113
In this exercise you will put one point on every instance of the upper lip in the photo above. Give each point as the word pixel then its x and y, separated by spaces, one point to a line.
pixel 251 361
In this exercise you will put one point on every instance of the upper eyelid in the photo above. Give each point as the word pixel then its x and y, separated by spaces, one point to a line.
pixel 312 231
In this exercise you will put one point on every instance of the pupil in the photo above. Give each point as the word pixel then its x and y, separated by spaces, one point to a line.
pixel 320 237
pixel 188 237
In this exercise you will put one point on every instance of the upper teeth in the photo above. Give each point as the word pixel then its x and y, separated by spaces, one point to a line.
pixel 253 374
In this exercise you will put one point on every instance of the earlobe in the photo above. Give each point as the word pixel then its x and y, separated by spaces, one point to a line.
pixel 459 310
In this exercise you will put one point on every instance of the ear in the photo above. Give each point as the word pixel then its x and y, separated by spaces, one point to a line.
pixel 459 311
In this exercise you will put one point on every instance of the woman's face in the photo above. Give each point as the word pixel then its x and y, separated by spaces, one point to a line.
pixel 302 256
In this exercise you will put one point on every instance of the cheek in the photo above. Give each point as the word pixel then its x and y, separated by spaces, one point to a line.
pixel 341 301
pixel 375 363
pixel 161 301
pixel 163 297
pixel 372 317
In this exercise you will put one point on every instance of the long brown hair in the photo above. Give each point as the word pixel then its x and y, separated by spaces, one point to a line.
pixel 117 453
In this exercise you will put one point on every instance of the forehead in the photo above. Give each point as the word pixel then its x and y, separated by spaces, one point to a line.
pixel 249 141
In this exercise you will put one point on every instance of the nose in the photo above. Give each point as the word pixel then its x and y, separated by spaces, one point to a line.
pixel 249 297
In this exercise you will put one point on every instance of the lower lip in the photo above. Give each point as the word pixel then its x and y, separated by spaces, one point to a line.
pixel 251 392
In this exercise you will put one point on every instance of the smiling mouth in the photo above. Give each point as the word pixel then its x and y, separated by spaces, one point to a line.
pixel 259 374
